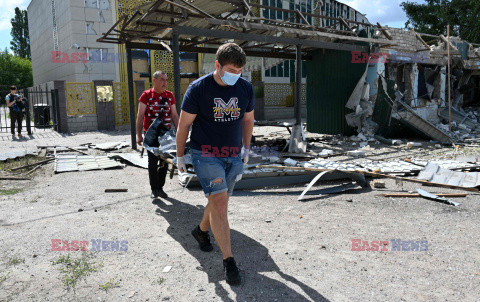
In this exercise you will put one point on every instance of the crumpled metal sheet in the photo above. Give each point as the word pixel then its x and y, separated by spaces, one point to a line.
pixel 447 164
pixel 70 163
pixel 16 154
pixel 435 173
pixel 357 177
pixel 431 196
pixel 133 158
pixel 111 146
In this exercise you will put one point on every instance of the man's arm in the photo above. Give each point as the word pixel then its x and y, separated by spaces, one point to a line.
pixel 174 114
pixel 10 104
pixel 140 116
pixel 247 123
pixel 186 119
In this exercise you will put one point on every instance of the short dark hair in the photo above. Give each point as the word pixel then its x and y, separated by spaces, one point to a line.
pixel 231 53
pixel 13 87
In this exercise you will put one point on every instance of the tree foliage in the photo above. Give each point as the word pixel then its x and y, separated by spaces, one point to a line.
pixel 20 44
pixel 15 70
pixel 434 16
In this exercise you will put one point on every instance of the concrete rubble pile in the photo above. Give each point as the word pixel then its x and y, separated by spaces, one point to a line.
pixel 415 82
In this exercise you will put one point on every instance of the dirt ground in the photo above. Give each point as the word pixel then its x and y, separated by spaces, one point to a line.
pixel 287 250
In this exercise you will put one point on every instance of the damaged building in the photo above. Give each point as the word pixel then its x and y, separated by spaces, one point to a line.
pixel 403 91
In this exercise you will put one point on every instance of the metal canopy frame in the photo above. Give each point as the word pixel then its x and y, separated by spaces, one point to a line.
pixel 200 26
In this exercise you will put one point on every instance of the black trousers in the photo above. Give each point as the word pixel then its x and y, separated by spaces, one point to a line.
pixel 157 171
pixel 18 118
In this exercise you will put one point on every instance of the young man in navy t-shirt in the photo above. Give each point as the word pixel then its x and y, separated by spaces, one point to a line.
pixel 219 106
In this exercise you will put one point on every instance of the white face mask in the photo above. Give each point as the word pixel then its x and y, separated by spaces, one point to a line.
pixel 230 78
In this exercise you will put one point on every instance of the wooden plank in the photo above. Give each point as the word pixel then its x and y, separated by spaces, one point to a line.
pixel 385 32
pixel 14 178
pixel 421 40
pixel 33 170
pixel 31 165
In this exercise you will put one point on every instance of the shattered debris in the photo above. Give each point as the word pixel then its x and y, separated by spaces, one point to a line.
pixel 378 184
pixel 356 153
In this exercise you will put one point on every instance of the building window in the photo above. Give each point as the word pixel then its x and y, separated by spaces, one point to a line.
pixel 272 13
pixel 304 6
pixel 286 69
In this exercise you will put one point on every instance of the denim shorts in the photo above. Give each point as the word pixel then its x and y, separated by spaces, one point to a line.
pixel 208 169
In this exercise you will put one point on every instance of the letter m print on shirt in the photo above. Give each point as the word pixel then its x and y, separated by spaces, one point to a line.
pixel 231 108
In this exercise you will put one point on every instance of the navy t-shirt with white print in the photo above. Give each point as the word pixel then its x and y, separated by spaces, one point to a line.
pixel 217 128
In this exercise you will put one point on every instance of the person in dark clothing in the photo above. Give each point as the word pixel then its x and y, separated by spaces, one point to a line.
pixel 16 115
pixel 154 103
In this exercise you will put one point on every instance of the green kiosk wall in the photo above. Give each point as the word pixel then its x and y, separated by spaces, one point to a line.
pixel 331 78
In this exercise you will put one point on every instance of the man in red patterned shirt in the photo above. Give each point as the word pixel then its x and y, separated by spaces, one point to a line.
pixel 156 102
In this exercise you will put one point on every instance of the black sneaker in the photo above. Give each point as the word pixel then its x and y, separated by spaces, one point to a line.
pixel 154 194
pixel 232 274
pixel 161 193
pixel 203 239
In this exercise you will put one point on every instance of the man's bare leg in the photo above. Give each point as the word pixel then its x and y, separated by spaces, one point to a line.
pixel 219 222
pixel 205 223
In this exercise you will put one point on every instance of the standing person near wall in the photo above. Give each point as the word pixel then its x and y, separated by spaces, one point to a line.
pixel 156 102
pixel 14 103
pixel 220 107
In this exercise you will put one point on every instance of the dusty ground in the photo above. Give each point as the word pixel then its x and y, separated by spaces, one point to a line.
pixel 287 250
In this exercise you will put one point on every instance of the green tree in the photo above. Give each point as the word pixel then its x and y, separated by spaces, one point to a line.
pixel 20 44
pixel 15 70
pixel 434 16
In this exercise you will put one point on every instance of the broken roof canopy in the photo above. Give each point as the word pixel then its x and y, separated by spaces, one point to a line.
pixel 202 25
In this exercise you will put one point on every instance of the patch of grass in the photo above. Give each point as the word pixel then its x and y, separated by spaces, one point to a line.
pixel 159 281
pixel 18 162
pixel 10 191
pixel 14 260
pixel 4 277
pixel 110 284
pixel 75 269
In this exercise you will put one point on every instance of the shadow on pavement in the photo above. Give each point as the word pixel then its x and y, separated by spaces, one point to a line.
pixel 252 257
